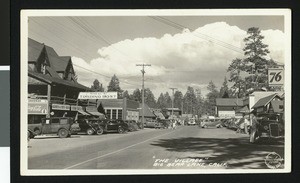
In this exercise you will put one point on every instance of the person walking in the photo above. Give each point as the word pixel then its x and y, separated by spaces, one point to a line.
pixel 253 126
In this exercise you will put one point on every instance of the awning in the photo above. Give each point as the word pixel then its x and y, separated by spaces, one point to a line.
pixel 93 110
pixel 84 113
pixel 244 109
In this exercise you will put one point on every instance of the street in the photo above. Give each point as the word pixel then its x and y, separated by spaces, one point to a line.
pixel 183 148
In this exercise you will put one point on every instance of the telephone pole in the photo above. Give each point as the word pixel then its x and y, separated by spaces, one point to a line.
pixel 143 92
pixel 173 100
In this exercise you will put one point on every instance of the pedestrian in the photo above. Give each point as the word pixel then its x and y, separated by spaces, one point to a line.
pixel 247 124
pixel 253 126
pixel 174 125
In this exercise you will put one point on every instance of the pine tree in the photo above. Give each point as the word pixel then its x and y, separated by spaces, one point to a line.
pixel 114 86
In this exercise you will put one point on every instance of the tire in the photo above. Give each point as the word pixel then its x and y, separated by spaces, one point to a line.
pixel 121 130
pixel 130 129
pixel 100 131
pixel 90 131
pixel 63 133
pixel 37 131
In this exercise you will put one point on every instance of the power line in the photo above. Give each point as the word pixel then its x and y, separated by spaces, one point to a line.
pixel 202 36
pixel 88 69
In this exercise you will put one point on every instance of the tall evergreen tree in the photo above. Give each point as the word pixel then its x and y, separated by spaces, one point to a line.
pixel 211 98
pixel 114 86
pixel 149 98
pixel 161 101
pixel 190 101
pixel 97 86
pixel 224 90
pixel 253 68
pixel 137 95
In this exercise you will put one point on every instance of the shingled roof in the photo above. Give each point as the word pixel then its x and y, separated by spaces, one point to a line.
pixel 52 80
pixel 147 112
pixel 34 50
pixel 264 101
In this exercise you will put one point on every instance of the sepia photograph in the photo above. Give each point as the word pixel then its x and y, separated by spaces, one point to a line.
pixel 114 92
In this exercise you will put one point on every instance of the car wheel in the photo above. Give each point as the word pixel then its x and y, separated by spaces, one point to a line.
pixel 121 130
pixel 37 131
pixel 100 131
pixel 63 133
pixel 130 129
pixel 90 131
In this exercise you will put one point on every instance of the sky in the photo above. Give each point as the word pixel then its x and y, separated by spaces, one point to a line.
pixel 182 50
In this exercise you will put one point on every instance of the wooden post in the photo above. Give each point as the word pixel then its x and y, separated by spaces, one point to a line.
pixel 49 100
pixel 65 95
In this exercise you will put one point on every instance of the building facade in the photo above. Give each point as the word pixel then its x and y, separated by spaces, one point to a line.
pixel 52 85
pixel 120 109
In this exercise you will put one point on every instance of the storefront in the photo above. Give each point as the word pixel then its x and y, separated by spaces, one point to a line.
pixel 120 108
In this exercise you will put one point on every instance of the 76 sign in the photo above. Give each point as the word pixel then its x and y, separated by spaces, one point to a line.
pixel 275 77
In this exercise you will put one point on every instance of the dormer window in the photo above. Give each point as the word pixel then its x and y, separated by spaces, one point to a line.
pixel 43 68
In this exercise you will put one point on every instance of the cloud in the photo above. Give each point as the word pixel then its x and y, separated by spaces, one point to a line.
pixel 190 57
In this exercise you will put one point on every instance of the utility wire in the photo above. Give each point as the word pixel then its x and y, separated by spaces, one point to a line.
pixel 197 34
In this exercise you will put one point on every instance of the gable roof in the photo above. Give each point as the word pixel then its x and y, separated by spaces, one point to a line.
pixel 108 103
pixel 34 50
pixel 276 106
pixel 264 101
pixel 229 102
pixel 52 80
pixel 147 111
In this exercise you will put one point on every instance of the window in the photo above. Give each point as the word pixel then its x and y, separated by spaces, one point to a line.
pixel 108 113
pixel 55 120
pixel 120 114
pixel 35 119
pixel 63 121
pixel 114 114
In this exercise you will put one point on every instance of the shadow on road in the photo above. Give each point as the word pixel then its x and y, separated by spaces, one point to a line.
pixel 237 152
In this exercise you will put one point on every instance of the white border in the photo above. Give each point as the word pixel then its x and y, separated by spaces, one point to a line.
pixel 182 12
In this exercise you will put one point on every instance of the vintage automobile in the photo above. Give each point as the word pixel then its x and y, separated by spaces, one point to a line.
pixel 268 126
pixel 191 122
pixel 150 123
pixel 208 123
pixel 91 126
pixel 162 123
pixel 114 125
pixel 62 126
pixel 132 125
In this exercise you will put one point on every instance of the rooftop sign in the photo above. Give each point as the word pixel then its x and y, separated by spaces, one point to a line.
pixel 98 95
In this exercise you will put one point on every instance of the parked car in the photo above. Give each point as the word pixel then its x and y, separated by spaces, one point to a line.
pixel 269 126
pixel 150 123
pixel 208 123
pixel 132 125
pixel 91 126
pixel 111 125
pixel 62 126
pixel 161 123
pixel 191 122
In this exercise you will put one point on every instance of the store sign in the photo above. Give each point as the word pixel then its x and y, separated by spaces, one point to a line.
pixel 37 106
pixel 226 114
pixel 275 77
pixel 60 107
pixel 76 108
pixel 98 95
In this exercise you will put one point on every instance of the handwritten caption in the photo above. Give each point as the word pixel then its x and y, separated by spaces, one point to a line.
pixel 194 162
